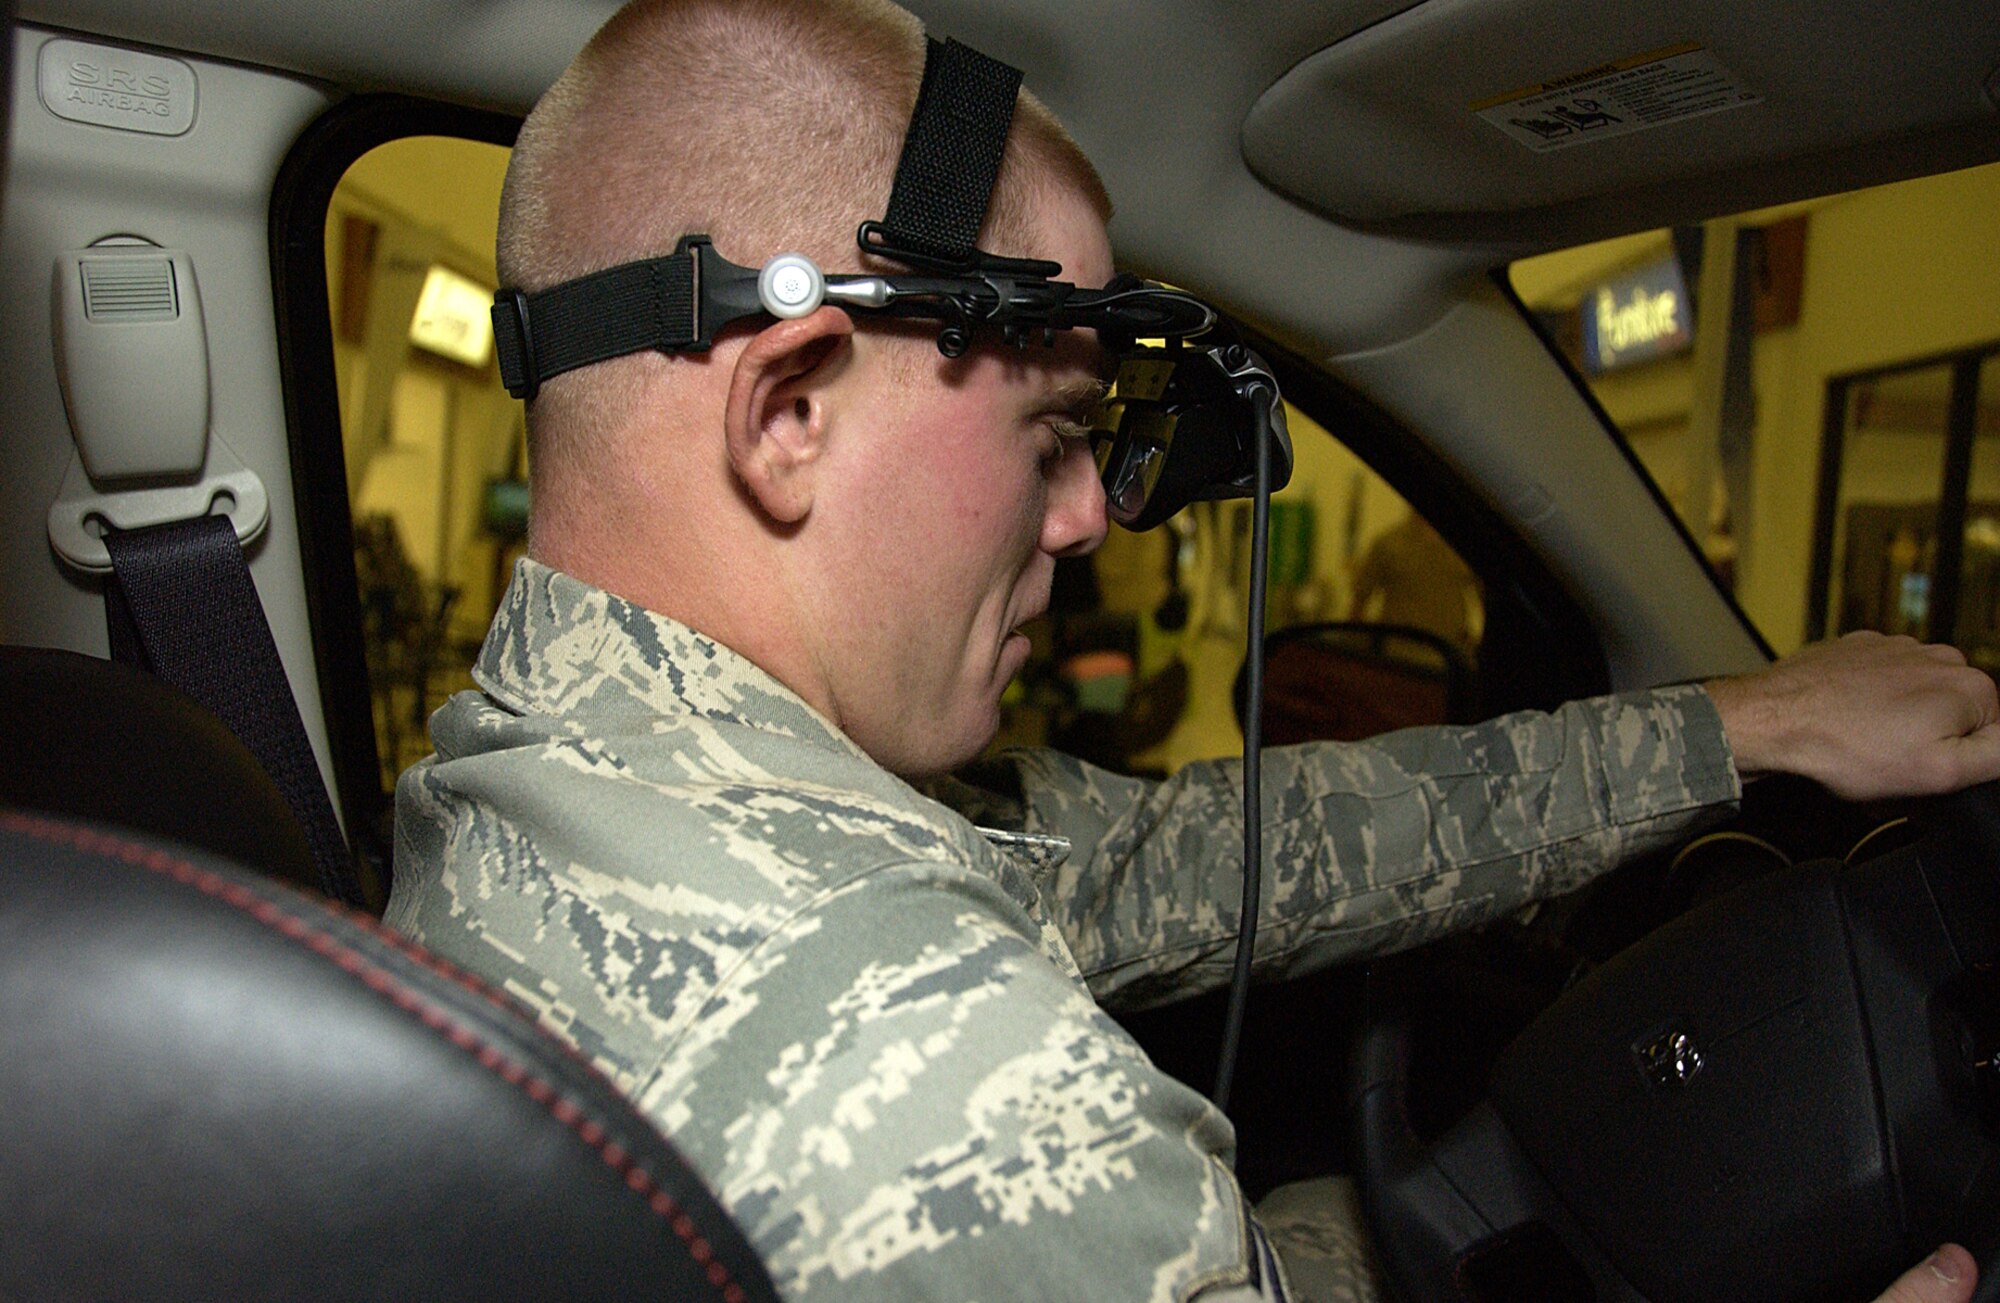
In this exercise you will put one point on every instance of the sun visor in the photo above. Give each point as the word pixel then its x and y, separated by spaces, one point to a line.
pixel 1455 117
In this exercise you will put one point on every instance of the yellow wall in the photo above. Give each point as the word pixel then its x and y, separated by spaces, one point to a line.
pixel 1892 274
pixel 1339 486
pixel 424 435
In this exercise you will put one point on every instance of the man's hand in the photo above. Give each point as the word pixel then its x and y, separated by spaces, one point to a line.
pixel 1873 716
pixel 1947 1276
pixel 1868 716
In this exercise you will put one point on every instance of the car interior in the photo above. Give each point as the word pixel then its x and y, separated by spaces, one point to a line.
pixel 1622 345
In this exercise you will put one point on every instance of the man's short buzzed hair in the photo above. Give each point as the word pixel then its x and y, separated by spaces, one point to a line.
pixel 770 125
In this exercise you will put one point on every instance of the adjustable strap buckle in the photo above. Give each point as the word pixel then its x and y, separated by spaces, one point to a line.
pixel 514 342
pixel 671 303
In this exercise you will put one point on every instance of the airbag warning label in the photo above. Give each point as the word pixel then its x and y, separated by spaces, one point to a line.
pixel 125 89
pixel 1617 99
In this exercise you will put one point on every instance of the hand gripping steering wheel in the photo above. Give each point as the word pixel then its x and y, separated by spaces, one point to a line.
pixel 1790 1093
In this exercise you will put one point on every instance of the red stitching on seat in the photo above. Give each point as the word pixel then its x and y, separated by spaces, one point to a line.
pixel 351 961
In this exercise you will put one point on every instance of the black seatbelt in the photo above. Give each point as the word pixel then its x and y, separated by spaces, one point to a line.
pixel 181 605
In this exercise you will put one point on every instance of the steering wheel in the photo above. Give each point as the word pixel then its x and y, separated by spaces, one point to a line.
pixel 1789 1093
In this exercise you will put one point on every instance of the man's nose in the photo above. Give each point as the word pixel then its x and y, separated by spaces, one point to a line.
pixel 1076 520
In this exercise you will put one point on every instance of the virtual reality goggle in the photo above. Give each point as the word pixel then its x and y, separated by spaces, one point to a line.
pixel 1186 407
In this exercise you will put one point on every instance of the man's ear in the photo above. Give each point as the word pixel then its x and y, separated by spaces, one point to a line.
pixel 776 419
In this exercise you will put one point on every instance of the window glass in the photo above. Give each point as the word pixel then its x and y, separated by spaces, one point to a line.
pixel 1884 536
pixel 1978 614
pixel 1788 379
pixel 1135 665
pixel 434 445
pixel 1910 539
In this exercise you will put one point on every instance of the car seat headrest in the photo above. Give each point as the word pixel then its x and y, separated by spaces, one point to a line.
pixel 100 741
pixel 219 1087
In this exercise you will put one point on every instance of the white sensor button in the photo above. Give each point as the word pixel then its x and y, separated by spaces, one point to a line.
pixel 790 285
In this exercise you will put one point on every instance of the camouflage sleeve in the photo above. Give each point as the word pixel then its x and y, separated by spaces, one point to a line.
pixel 874 1061
pixel 895 1092
pixel 906 1100
pixel 1369 847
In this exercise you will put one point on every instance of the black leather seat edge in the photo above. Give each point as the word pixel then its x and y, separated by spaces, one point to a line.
pixel 218 1087
pixel 96 740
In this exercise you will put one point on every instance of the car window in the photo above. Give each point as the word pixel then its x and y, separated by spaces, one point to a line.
pixel 1135 666
pixel 434 445
pixel 1814 390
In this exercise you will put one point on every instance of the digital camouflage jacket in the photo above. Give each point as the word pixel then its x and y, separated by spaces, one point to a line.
pixel 874 1026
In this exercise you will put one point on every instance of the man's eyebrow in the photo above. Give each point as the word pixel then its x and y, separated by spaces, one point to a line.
pixel 1075 395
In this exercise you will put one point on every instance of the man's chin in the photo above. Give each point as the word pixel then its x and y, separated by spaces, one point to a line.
pixel 1014 652
pixel 951 745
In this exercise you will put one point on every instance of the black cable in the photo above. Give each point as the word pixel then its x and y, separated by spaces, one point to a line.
pixel 1253 755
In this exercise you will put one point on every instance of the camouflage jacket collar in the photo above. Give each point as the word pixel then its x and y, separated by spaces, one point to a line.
pixel 1041 853
pixel 566 648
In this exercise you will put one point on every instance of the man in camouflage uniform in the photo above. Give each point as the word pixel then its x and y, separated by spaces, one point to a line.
pixel 774 583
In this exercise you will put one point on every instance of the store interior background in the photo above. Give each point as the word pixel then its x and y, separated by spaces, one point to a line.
pixel 1889 276
pixel 1152 635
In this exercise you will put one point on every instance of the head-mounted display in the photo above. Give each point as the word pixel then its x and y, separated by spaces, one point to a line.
pixel 1180 426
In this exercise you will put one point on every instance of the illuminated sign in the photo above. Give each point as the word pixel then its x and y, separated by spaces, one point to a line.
pixel 1637 317
pixel 454 318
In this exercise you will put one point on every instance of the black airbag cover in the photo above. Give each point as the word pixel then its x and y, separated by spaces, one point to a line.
pixel 1766 1172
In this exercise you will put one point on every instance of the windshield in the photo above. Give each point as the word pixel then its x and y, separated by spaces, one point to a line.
pixel 1814 390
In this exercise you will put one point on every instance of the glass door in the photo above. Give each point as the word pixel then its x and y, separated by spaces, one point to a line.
pixel 1908 536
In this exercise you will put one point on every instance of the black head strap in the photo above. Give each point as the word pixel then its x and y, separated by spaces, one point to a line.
pixel 593 319
pixel 951 156
pixel 675 304
pixel 944 182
